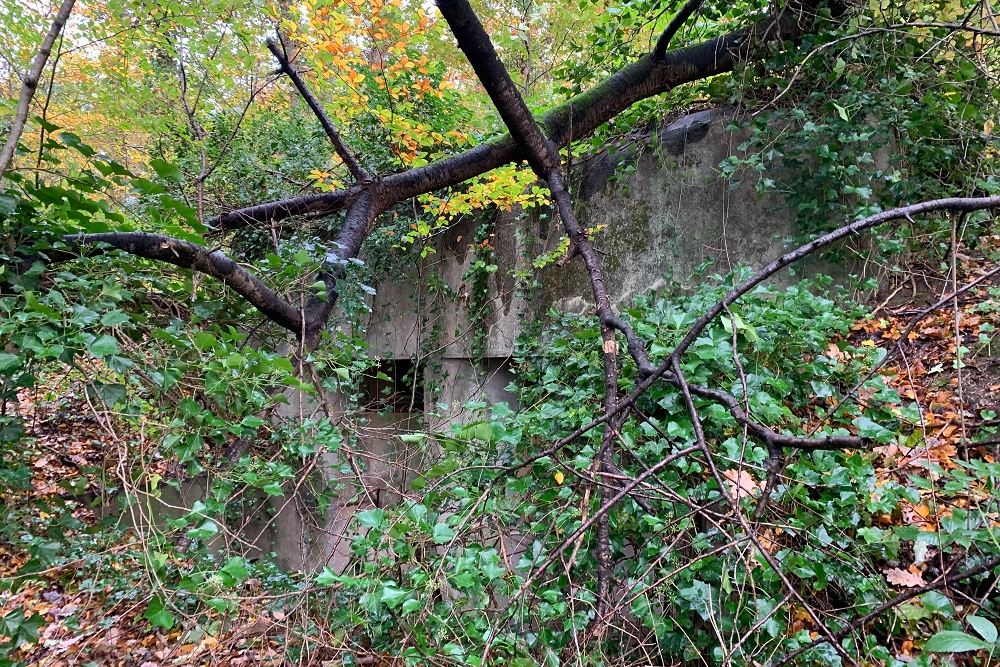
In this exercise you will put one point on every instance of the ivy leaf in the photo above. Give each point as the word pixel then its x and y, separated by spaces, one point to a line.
pixel 393 596
pixel 207 529
pixel 327 577
pixel 7 204
pixel 114 318
pixel 869 429
pixel 157 614
pixel 103 346
pixel 166 171
pixel 443 533
pixel 9 361
pixel 952 641
pixel 374 518
pixel 236 568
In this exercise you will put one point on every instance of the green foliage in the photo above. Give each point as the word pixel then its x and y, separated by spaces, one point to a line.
pixel 876 120
pixel 477 531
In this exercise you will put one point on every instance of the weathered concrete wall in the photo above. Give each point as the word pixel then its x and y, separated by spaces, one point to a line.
pixel 664 218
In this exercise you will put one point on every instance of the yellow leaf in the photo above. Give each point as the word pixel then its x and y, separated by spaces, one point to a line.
pixel 558 476
pixel 988 127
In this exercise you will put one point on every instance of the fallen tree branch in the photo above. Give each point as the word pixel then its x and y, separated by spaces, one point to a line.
pixel 966 204
pixel 576 118
pixel 192 256
pixel 771 438
pixel 543 157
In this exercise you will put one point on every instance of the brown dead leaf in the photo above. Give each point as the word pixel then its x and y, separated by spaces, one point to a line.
pixel 741 484
pixel 909 578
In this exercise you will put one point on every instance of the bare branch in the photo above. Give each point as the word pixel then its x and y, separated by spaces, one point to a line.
pixel 357 171
pixel 30 85
pixel 941 582
pixel 676 23
pixel 191 256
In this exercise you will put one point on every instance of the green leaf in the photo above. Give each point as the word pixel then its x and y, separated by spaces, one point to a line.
pixel 984 627
pixel 103 346
pixel 393 596
pixel 272 489
pixel 443 533
pixel 157 614
pixel 207 529
pixel 166 171
pixel 108 393
pixel 236 568
pixel 73 141
pixel 951 641
pixel 327 577
pixel 9 361
pixel 205 341
pixel 374 518
pixel 8 204
pixel 219 604
pixel 252 421
pixel 114 318
pixel 869 429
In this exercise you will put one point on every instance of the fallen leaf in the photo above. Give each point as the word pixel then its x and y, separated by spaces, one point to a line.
pixel 741 484
pixel 905 578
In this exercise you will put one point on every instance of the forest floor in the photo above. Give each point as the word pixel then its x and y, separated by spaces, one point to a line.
pixel 92 609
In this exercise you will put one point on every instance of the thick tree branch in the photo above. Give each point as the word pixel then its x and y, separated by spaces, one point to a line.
pixel 357 227
pixel 543 157
pixel 574 119
pixel 30 85
pixel 357 171
pixel 676 23
pixel 191 256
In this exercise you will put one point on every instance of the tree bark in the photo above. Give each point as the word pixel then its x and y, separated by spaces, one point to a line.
pixel 30 85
